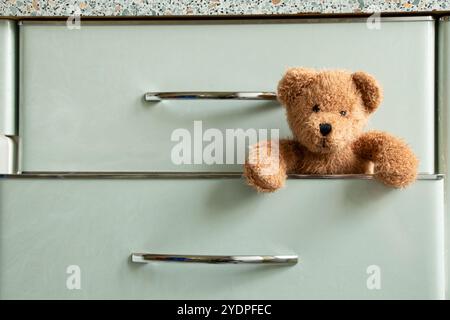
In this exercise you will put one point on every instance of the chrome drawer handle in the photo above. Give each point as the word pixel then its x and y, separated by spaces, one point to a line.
pixel 199 95
pixel 151 257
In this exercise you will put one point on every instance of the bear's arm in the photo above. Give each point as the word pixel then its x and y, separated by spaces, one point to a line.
pixel 394 162
pixel 266 168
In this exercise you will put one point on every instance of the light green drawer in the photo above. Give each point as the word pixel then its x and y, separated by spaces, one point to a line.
pixel 81 91
pixel 8 77
pixel 340 229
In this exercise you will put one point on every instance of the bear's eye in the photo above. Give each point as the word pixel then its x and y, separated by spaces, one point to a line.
pixel 343 113
pixel 316 108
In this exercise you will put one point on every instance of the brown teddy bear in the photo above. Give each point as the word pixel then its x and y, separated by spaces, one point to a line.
pixel 327 111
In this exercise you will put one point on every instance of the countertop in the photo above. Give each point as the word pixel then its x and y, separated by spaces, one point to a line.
pixel 133 8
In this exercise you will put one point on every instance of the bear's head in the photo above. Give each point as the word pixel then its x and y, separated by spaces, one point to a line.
pixel 327 110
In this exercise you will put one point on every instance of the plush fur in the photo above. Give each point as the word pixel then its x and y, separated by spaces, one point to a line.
pixel 340 102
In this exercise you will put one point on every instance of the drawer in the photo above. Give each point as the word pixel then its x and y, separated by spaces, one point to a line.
pixel 81 91
pixel 345 232
pixel 7 77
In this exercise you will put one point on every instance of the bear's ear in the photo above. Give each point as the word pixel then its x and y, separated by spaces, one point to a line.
pixel 370 90
pixel 293 81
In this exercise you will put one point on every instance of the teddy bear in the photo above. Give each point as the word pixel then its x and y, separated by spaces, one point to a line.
pixel 327 111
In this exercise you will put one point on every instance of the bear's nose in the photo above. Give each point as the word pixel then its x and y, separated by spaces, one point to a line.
pixel 325 128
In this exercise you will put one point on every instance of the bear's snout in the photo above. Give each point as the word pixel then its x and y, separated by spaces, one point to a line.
pixel 325 128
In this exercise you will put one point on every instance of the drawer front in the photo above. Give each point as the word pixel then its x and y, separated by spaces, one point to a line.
pixel 81 93
pixel 52 230
pixel 7 77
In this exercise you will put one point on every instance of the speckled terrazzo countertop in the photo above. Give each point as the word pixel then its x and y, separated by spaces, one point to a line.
pixel 99 8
